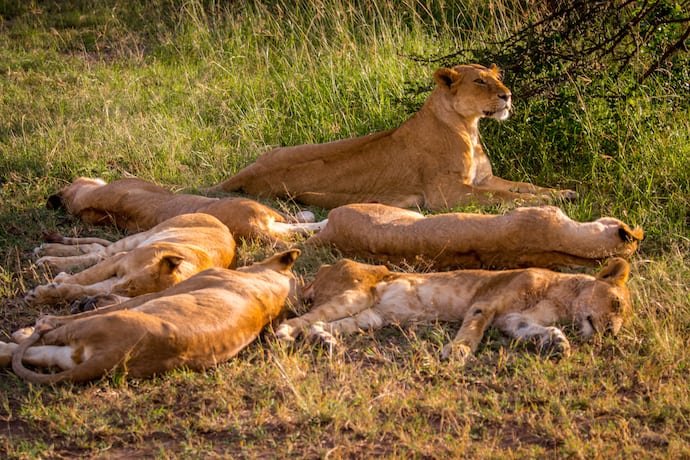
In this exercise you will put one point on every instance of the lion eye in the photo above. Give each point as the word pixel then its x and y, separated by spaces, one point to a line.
pixel 479 81
pixel 616 305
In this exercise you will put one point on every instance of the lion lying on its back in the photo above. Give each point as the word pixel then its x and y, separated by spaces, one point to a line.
pixel 434 160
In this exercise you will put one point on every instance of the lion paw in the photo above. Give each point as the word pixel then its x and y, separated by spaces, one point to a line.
pixel 94 302
pixel 458 351
pixel 318 331
pixel 554 343
pixel 22 334
pixel 286 332
pixel 47 293
pixel 567 195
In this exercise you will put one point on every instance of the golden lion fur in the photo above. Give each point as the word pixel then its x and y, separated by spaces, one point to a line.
pixel 524 237
pixel 434 160
pixel 142 263
pixel 134 205
pixel 198 323
pixel 349 296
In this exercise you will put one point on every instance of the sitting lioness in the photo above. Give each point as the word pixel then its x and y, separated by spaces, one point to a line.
pixel 351 296
pixel 134 205
pixel 197 323
pixel 524 237
pixel 142 263
pixel 434 160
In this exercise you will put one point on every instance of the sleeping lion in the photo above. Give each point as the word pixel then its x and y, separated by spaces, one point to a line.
pixel 434 160
pixel 198 323
pixel 525 303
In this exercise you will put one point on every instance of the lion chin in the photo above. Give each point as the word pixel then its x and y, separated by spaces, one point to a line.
pixel 434 160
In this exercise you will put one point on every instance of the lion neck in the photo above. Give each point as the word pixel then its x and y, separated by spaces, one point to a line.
pixel 439 107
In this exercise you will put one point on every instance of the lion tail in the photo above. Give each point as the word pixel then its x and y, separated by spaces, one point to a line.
pixel 84 371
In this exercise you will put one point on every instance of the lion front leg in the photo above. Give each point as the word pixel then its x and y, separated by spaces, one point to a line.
pixel 524 188
pixel 70 263
pixel 347 304
pixel 326 332
pixel 474 324
pixel 54 293
pixel 550 340
pixel 447 195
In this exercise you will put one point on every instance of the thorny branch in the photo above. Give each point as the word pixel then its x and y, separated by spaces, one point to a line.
pixel 580 38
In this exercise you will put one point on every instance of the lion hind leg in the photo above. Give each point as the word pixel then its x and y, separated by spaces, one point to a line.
pixel 285 230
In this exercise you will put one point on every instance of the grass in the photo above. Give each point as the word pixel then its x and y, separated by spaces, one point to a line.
pixel 186 93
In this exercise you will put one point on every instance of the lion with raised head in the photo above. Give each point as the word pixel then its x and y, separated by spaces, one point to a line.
pixel 525 303
pixel 434 160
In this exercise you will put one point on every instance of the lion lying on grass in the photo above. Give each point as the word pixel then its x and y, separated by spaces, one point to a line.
pixel 350 296
pixel 142 263
pixel 525 237
pixel 135 205
pixel 198 323
pixel 434 160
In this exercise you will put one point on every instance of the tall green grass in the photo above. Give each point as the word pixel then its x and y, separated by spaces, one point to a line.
pixel 185 93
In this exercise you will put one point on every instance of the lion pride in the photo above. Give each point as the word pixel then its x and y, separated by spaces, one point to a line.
pixel 434 160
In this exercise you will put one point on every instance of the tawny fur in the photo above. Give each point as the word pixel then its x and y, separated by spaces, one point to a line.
pixel 525 304
pixel 525 237
pixel 434 160
pixel 134 205
pixel 197 323
pixel 142 263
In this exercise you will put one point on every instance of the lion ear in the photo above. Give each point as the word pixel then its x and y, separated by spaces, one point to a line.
pixel 55 202
pixel 495 71
pixel 169 263
pixel 446 78
pixel 616 271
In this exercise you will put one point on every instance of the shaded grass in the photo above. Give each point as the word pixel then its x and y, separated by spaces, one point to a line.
pixel 186 93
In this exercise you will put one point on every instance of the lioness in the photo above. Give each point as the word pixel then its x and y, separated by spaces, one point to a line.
pixel 434 160
pixel 197 323
pixel 350 296
pixel 525 237
pixel 142 263
pixel 134 205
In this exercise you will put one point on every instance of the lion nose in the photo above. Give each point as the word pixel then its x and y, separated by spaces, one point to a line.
pixel 504 96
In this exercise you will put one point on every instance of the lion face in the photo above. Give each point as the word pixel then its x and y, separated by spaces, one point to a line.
pixel 473 91
pixel 603 306
pixel 148 269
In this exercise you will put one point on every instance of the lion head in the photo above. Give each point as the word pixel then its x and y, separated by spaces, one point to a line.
pixel 603 306
pixel 474 91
